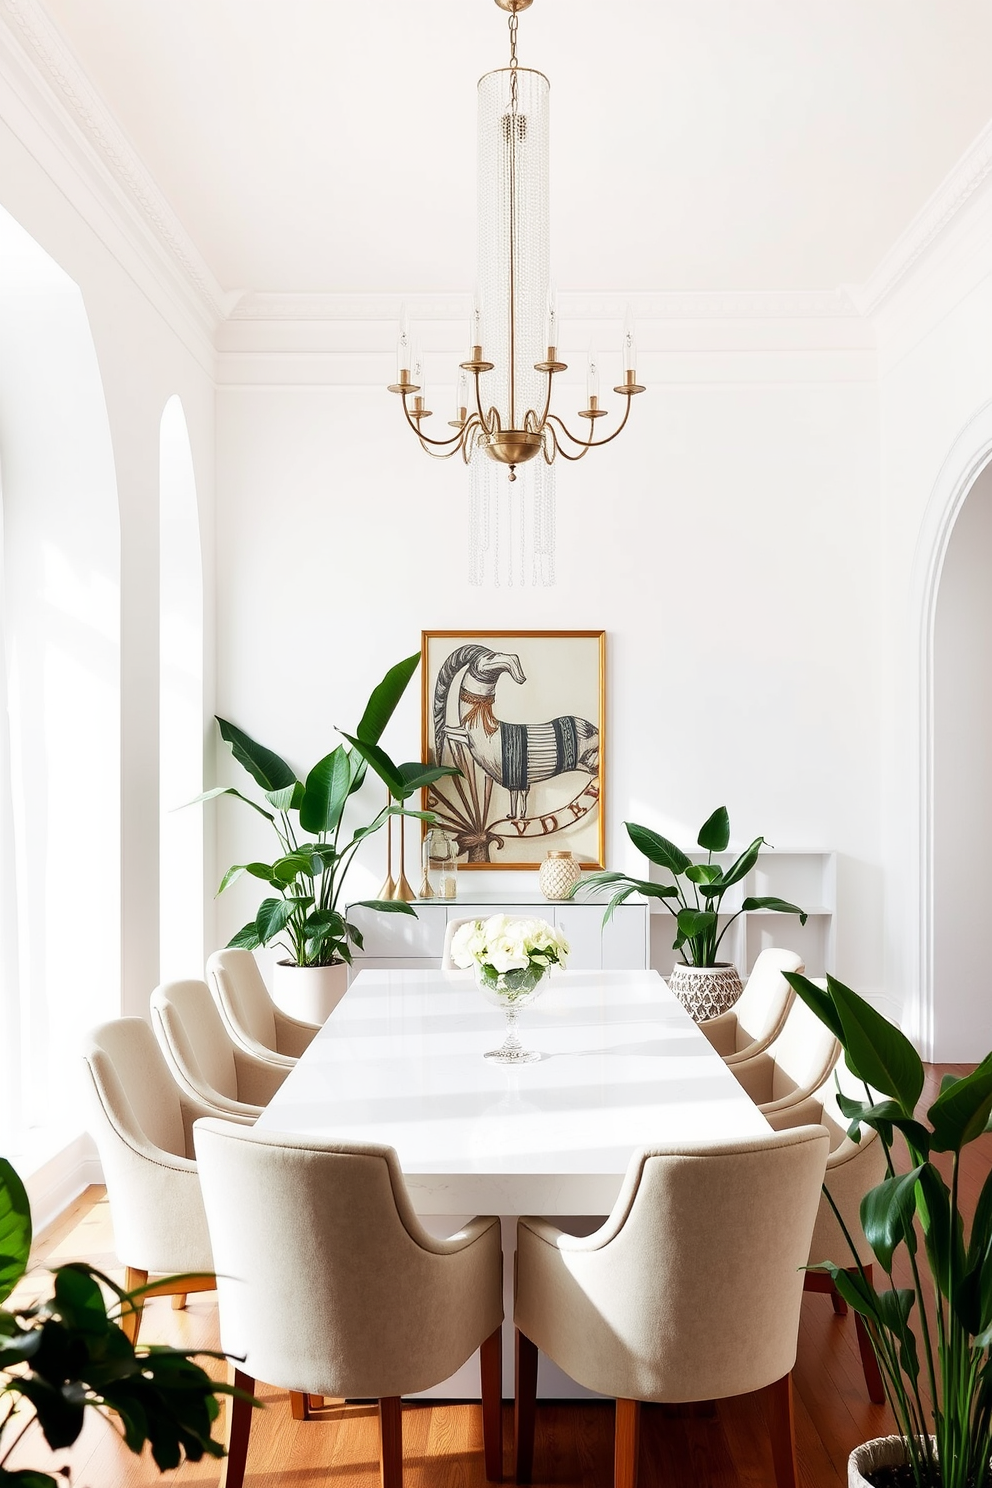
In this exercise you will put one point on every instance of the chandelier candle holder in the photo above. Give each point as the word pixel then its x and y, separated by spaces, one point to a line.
pixel 503 404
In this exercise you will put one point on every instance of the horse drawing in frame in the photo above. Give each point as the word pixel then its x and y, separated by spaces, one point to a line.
pixel 513 755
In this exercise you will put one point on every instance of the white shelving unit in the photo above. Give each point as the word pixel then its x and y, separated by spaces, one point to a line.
pixel 806 878
pixel 399 941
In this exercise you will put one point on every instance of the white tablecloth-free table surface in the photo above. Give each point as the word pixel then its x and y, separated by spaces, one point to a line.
pixel 623 1066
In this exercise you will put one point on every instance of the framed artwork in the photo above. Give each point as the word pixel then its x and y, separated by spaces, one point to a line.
pixel 522 713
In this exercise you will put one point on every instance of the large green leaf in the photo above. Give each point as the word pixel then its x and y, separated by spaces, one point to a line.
pixel 80 1300
pixel 385 906
pixel 744 864
pixel 884 1116
pixel 979 1258
pixel 705 873
pixel 817 999
pixel 326 791
pixel 894 1308
pixel 382 704
pixel 287 799
pixel 416 775
pixel 961 1111
pixel 265 767
pixel 714 834
pixel 246 939
pixel 695 922
pixel 387 771
pixel 779 906
pixel 942 1228
pixel 275 914
pixel 887 1214
pixel 15 1228
pixel 658 849
pixel 880 1053
pixel 257 870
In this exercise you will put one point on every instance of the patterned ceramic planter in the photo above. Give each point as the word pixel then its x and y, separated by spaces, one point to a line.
pixel 705 991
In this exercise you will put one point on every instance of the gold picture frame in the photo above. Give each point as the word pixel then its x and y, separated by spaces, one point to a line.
pixel 532 753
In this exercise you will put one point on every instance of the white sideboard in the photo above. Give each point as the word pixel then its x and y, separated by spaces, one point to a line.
pixel 399 941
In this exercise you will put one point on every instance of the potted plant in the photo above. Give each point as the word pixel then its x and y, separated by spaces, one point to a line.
pixel 703 983
pixel 306 914
pixel 932 1337
pixel 66 1354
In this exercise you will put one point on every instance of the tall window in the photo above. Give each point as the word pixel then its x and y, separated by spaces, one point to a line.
pixel 60 676
pixel 181 722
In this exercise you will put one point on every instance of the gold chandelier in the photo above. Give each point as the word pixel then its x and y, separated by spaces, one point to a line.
pixel 506 412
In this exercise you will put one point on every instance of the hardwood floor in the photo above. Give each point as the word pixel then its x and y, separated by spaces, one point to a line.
pixel 722 1446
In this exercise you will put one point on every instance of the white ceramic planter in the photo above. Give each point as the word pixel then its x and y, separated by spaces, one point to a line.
pixel 882 1451
pixel 705 991
pixel 309 992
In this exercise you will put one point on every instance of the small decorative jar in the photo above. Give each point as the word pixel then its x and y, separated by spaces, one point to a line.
pixel 440 860
pixel 558 875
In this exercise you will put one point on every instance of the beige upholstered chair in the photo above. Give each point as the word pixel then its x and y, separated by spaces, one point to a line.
pixel 328 1284
pixel 759 1013
pixel 251 1018
pixel 689 1291
pixel 142 1125
pixel 798 1063
pixel 452 927
pixel 205 1064
pixel 852 1169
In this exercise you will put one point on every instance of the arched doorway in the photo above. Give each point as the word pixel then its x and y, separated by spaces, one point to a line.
pixel 961 800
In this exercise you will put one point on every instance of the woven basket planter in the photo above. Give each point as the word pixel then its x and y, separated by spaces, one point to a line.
pixel 705 991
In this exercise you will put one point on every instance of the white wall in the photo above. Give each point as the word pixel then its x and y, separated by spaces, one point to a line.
pixel 933 318
pixel 147 348
pixel 727 543
pixel 962 795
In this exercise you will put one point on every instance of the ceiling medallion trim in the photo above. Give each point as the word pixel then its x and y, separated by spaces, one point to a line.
pixel 53 60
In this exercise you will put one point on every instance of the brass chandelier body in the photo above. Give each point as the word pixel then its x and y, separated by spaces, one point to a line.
pixel 513 230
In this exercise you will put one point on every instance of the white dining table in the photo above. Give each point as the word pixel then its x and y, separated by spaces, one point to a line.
pixel 400 1061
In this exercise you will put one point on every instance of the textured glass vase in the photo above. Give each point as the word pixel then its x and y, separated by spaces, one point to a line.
pixel 511 991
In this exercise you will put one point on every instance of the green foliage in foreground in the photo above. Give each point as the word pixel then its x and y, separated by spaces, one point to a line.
pixel 937 1331
pixel 67 1354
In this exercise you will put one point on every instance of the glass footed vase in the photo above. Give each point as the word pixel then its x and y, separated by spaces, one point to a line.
pixel 511 991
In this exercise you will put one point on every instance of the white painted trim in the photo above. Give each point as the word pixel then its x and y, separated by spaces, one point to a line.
pixel 929 225
pixel 669 305
pixel 53 1185
pixel 967 457
pixel 58 97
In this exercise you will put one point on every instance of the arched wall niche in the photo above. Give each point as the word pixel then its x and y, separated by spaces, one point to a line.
pixel 952 637
pixel 181 714
pixel 60 925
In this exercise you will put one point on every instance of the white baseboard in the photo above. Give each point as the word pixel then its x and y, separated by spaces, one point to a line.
pixel 60 1178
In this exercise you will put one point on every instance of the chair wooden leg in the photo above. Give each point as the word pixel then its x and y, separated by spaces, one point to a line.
pixel 232 1472
pixel 839 1305
pixel 391 1441
pixel 524 1406
pixel 491 1367
pixel 178 1301
pixel 131 1320
pixel 781 1430
pixel 869 1362
pixel 299 1406
pixel 627 1443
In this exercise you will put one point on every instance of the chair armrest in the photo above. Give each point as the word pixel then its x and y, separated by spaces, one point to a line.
pixel 721 1032
pixel 756 1075
pixel 808 1112
pixel 293 1035
pixel 258 1080
pixel 192 1110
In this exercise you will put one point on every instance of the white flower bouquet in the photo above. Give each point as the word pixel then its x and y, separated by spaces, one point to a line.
pixel 509 956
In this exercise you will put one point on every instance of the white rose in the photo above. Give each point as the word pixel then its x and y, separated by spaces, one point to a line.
pixel 467 942
pixel 506 953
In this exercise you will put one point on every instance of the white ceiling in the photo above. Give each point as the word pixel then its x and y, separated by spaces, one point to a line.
pixel 326 146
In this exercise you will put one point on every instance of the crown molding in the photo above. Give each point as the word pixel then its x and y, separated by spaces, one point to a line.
pixel 104 156
pixel 667 305
pixel 972 171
